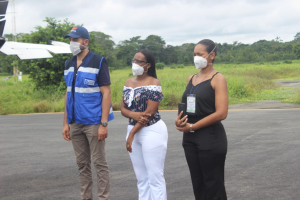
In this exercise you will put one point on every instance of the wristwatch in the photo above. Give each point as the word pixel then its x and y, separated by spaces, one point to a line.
pixel 191 128
pixel 104 124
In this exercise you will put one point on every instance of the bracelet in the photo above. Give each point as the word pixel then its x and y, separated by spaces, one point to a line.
pixel 191 128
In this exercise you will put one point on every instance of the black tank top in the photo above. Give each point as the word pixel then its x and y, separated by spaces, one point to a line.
pixel 209 137
pixel 205 99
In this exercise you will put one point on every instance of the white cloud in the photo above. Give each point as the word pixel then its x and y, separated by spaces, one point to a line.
pixel 176 21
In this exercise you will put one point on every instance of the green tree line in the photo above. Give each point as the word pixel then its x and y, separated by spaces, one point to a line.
pixel 49 72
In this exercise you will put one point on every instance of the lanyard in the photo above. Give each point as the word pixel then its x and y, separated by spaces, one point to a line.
pixel 199 83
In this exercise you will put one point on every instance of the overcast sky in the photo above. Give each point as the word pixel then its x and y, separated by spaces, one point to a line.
pixel 176 21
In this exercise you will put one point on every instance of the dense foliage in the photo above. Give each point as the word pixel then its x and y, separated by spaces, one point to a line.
pixel 246 83
pixel 48 73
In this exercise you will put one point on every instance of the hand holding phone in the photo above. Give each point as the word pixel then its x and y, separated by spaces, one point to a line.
pixel 182 107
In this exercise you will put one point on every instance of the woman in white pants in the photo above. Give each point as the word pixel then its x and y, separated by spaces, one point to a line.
pixel 147 134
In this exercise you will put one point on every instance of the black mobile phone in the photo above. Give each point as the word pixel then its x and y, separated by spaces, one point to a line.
pixel 182 107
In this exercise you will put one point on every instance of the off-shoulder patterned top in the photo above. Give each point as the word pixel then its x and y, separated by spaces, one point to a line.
pixel 135 99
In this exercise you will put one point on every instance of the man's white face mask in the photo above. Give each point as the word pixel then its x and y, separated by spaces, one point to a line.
pixel 75 47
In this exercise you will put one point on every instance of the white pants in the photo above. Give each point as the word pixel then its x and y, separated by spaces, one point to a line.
pixel 149 149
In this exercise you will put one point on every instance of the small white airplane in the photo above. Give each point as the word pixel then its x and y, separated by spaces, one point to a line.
pixel 28 50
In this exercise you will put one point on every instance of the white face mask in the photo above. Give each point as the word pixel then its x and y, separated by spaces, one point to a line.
pixel 201 62
pixel 75 47
pixel 137 70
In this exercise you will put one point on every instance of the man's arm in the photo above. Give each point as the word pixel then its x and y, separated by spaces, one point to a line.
pixel 106 102
pixel 66 127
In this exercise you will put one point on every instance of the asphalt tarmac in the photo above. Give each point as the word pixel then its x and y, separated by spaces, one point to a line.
pixel 262 162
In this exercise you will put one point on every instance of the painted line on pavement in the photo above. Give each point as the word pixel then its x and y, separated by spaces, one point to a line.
pixel 248 109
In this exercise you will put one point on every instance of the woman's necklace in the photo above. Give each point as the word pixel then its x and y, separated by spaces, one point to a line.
pixel 203 78
pixel 200 82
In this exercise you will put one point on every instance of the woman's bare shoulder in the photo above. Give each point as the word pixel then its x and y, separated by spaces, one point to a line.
pixel 153 81
pixel 129 82
pixel 220 77
pixel 219 80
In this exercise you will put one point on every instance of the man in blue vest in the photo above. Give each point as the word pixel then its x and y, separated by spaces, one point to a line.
pixel 87 111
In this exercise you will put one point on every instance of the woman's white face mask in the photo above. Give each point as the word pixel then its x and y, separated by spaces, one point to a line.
pixel 201 62
pixel 137 70
pixel 75 47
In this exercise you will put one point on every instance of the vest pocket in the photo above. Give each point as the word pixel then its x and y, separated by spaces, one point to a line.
pixel 90 98
pixel 90 105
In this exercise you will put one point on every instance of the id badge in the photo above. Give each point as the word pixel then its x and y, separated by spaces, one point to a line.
pixel 191 104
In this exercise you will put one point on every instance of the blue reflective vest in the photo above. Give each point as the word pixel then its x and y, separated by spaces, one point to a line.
pixel 85 105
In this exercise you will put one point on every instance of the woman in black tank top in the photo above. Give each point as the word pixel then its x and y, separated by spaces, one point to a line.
pixel 204 137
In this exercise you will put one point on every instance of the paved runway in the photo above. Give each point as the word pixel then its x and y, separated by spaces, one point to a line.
pixel 263 162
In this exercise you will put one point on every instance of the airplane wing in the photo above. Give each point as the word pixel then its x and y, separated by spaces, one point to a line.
pixel 35 51
pixel 28 50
